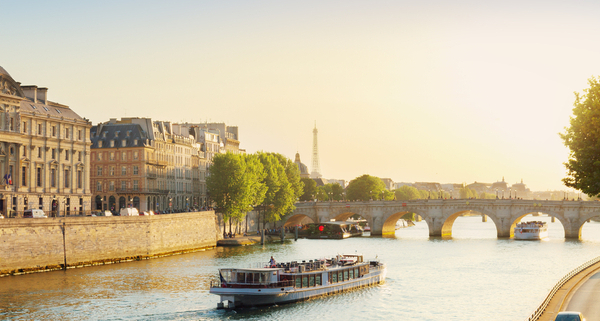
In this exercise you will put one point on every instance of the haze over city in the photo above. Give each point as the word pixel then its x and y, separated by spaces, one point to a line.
pixel 414 91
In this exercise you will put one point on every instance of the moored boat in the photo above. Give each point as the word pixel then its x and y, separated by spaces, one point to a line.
pixel 295 281
pixel 534 230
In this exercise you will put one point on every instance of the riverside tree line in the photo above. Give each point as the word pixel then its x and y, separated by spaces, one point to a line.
pixel 270 183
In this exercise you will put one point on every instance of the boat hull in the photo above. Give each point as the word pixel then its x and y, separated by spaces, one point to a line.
pixel 531 235
pixel 250 297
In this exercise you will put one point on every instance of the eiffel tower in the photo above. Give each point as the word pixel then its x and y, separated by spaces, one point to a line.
pixel 316 171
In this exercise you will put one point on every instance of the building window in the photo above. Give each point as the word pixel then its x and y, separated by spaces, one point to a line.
pixel 39 152
pixel 66 155
pixel 99 143
pixel 79 156
pixel 79 134
pixel 24 176
pixel 123 156
pixel 67 178
pixel 53 153
pixel 112 171
pixel 135 185
pixel 53 131
pixel 99 156
pixel 25 127
pixel 98 186
pixel 123 171
pixel 135 170
pixel 53 177
pixel 123 185
pixel 99 170
pixel 39 129
pixel 135 155
pixel 79 179
pixel 39 177
pixel 124 143
pixel 112 143
pixel 112 156
pixel 12 124
pixel 66 133
pixel 24 151
pixel 111 186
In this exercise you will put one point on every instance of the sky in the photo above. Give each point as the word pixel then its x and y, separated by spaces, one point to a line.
pixel 428 91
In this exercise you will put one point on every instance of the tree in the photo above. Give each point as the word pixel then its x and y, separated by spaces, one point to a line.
pixel 234 185
pixel 582 138
pixel 283 186
pixel 466 192
pixel 309 190
pixel 406 193
pixel 364 188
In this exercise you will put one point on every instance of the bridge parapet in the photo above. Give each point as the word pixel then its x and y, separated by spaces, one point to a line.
pixel 441 213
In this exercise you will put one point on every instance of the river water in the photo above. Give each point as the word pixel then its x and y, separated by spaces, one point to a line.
pixel 471 276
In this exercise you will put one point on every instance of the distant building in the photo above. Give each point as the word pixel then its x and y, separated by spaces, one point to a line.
pixel 301 167
pixel 520 190
pixel 479 187
pixel 44 152
pixel 142 163
pixel 389 184
pixel 500 188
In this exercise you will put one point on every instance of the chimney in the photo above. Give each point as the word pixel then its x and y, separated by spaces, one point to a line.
pixel 42 95
pixel 30 92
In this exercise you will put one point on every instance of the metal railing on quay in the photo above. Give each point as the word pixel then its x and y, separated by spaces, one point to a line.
pixel 540 310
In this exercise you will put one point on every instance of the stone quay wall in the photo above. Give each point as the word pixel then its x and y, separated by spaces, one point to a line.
pixel 42 244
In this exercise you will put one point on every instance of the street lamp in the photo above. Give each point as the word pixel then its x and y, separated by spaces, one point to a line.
pixel 382 195
pixel 496 193
pixel 170 205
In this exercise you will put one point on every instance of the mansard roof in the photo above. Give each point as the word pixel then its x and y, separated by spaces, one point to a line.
pixel 118 133
pixel 8 85
pixel 51 109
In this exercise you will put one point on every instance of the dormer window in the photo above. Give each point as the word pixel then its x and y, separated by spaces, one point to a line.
pixel 45 108
pixel 124 143
pixel 104 135
pixel 99 143
pixel 135 142
pixel 112 143
pixel 58 111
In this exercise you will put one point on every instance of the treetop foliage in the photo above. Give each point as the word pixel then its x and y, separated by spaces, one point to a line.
pixel 582 138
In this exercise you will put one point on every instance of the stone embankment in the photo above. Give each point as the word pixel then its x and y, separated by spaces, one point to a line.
pixel 34 245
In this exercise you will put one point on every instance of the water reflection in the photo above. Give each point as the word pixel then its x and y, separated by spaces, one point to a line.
pixel 428 279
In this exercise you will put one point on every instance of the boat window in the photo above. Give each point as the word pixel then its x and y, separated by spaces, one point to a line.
pixel 346 275
pixel 226 274
pixel 340 276
pixel 334 277
pixel 311 281
pixel 304 281
pixel 318 279
pixel 351 273
pixel 298 282
pixel 356 272
pixel 241 277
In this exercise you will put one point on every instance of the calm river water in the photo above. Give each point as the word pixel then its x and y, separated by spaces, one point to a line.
pixel 472 276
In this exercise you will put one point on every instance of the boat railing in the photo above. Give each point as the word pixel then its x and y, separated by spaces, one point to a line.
pixel 280 284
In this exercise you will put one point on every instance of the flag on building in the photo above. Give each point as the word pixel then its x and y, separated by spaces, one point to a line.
pixel 8 179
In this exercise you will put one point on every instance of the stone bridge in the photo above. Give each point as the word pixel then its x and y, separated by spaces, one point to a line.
pixel 440 214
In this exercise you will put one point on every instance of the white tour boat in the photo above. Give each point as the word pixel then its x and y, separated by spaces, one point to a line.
pixel 534 230
pixel 295 281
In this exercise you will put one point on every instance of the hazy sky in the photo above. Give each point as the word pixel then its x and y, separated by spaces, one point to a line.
pixel 443 91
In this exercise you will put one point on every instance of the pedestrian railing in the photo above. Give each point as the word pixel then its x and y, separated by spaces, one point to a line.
pixel 540 310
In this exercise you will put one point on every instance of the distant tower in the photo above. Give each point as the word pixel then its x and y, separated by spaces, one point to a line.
pixel 316 171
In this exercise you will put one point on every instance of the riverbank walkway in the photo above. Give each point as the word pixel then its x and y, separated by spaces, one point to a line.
pixel 561 299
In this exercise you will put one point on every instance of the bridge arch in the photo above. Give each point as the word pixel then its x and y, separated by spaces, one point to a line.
pixel 584 220
pixel 389 224
pixel 565 222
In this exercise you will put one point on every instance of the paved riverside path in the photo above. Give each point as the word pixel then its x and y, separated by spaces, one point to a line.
pixel 581 293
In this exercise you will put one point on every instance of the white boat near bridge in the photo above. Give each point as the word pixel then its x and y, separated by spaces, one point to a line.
pixel 295 281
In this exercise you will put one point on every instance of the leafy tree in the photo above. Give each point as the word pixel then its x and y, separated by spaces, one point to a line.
pixel 233 185
pixel 309 190
pixel 466 192
pixel 282 180
pixel 407 193
pixel 582 138
pixel 364 188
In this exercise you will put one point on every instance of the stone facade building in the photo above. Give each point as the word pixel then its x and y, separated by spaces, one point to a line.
pixel 137 162
pixel 44 152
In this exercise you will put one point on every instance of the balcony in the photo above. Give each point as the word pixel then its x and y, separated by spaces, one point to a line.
pixel 142 191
